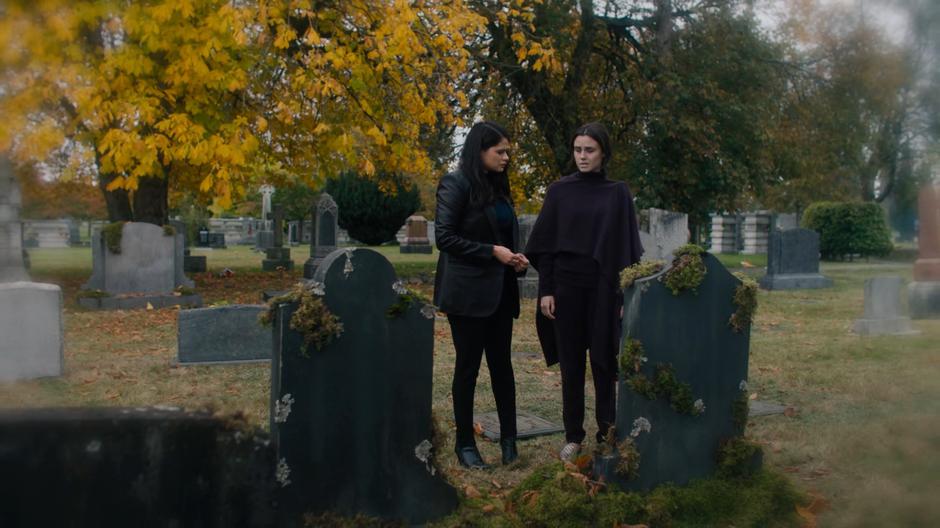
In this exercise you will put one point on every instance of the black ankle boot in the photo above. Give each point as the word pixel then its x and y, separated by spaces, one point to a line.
pixel 469 457
pixel 508 446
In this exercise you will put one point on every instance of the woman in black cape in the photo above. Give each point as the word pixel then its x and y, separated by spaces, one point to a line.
pixel 475 285
pixel 585 234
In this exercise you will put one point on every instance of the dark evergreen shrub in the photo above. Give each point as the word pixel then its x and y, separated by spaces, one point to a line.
pixel 848 229
pixel 369 214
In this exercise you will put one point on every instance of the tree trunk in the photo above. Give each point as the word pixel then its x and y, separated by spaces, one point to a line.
pixel 118 201
pixel 150 201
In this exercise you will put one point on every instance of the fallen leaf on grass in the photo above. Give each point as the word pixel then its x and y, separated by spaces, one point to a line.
pixel 471 492
pixel 149 306
pixel 495 484
pixel 808 517
pixel 488 508
pixel 791 469
pixel 478 428
pixel 790 412
pixel 753 396
pixel 530 497
pixel 746 264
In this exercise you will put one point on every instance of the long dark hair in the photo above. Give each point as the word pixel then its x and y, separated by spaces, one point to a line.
pixel 597 132
pixel 485 186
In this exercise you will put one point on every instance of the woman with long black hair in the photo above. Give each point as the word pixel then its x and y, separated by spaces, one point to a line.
pixel 585 234
pixel 476 232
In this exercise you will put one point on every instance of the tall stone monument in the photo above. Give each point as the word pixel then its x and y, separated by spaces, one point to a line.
pixel 924 292
pixel 325 236
pixel 756 232
pixel 278 256
pixel 724 234
pixel 30 312
pixel 264 237
pixel 416 235
pixel 12 265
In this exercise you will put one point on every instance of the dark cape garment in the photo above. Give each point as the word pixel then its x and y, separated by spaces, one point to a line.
pixel 586 214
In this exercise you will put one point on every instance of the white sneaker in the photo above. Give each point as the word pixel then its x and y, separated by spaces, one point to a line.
pixel 569 452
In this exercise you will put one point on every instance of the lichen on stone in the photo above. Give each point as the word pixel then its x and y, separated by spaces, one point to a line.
pixel 745 301
pixel 687 271
pixel 644 268
pixel 112 234
pixel 312 318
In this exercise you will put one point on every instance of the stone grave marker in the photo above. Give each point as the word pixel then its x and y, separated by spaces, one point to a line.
pixel 351 421
pixel 148 270
pixel 264 237
pixel 325 236
pixel 278 256
pixel 793 261
pixel 690 334
pixel 12 264
pixel 223 334
pixel 724 234
pixel 47 233
pixel 31 330
pixel 666 231
pixel 528 283
pixel 416 237
pixel 924 293
pixel 756 231
pixel 883 313
pixel 528 425
pixel 191 263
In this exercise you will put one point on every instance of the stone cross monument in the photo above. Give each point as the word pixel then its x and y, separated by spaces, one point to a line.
pixel 323 240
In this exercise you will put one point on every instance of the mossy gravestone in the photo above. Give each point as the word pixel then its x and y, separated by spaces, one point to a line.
pixel 351 420
pixel 678 434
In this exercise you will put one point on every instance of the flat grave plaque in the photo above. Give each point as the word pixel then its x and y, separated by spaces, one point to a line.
pixel 527 425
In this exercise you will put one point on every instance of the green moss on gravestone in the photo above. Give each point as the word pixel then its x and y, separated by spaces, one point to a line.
pixel 312 318
pixel 404 302
pixel 183 291
pixel 112 234
pixel 169 230
pixel 740 410
pixel 632 357
pixel 667 386
pixel 628 458
pixel 745 301
pixel 639 270
pixel 738 457
pixel 687 271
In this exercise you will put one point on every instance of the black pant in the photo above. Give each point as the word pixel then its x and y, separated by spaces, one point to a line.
pixel 574 332
pixel 472 336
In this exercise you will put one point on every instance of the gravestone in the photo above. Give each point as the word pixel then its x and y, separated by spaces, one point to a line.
pixel 148 270
pixel 416 237
pixel 75 235
pixel 12 265
pixel 265 235
pixel 924 293
pixel 793 261
pixel 883 313
pixel 724 234
pixel 278 256
pixel 31 330
pixel 151 467
pixel 756 232
pixel 528 283
pixel 47 233
pixel 191 263
pixel 691 333
pixel 222 334
pixel 527 425
pixel 666 231
pixel 325 237
pixel 351 421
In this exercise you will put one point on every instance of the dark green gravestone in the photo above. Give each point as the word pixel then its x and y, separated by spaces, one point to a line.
pixel 352 422
pixel 690 332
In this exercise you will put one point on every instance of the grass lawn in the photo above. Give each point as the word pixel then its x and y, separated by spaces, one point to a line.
pixel 862 438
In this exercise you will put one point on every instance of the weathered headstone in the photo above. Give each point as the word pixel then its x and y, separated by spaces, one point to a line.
pixel 785 221
pixel 351 421
pixel 527 425
pixel 793 261
pixel 325 236
pixel 133 467
pixel 148 270
pixel 689 333
pixel 883 314
pixel 75 235
pixel 416 237
pixel 12 266
pixel 666 231
pixel 528 283
pixel 924 292
pixel 724 234
pixel 756 232
pixel 278 256
pixel 223 334
pixel 47 233
pixel 31 330
pixel 264 237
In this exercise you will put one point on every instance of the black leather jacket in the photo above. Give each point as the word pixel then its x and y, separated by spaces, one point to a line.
pixel 469 280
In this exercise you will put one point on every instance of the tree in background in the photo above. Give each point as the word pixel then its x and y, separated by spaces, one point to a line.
pixel 216 97
pixel 297 201
pixel 372 212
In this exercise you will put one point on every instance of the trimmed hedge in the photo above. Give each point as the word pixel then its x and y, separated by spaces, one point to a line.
pixel 370 215
pixel 848 229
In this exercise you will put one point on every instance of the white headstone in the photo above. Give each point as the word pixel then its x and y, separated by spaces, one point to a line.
pixel 31 330
pixel 883 312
